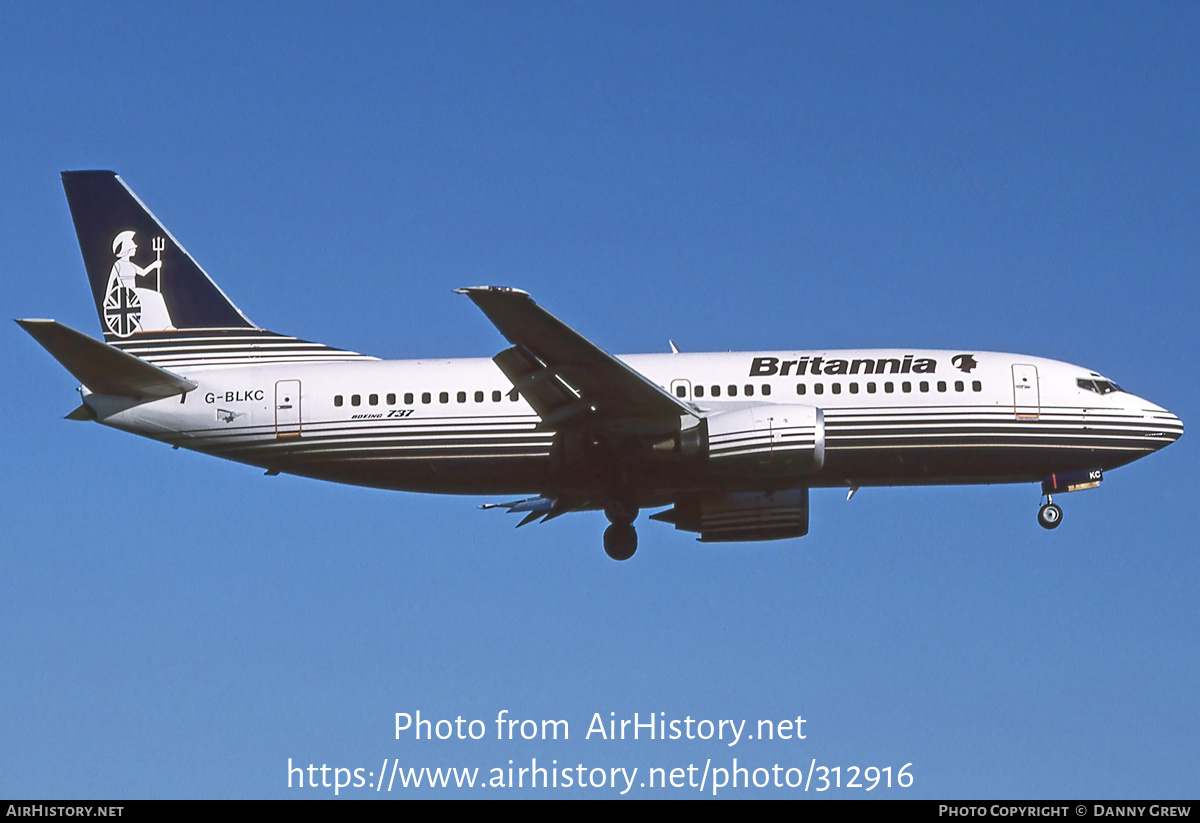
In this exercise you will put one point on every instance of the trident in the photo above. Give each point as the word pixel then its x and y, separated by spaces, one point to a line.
pixel 159 245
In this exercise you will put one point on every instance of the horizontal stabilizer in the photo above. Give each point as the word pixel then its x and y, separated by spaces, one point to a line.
pixel 102 368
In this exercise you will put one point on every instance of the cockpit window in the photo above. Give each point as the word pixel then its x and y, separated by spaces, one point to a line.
pixel 1098 385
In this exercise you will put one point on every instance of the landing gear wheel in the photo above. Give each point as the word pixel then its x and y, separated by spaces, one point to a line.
pixel 1049 516
pixel 620 513
pixel 620 542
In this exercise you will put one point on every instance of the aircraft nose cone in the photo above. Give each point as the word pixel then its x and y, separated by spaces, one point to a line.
pixel 1164 428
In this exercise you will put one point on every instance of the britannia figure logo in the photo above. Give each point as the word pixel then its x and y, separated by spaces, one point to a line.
pixel 133 299
pixel 964 362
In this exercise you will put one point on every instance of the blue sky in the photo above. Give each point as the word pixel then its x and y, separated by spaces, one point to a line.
pixel 1009 177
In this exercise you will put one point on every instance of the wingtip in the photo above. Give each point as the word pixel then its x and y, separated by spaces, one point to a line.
pixel 34 325
pixel 468 290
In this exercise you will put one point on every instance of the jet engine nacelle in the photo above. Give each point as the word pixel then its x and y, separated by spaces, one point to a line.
pixel 773 439
pixel 739 516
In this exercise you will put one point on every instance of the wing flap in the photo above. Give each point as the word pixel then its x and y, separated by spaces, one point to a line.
pixel 103 368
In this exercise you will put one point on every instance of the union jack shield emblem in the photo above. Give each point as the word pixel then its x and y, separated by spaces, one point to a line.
pixel 123 311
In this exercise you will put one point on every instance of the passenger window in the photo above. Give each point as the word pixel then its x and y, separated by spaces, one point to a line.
pixel 478 397
pixel 426 397
pixel 733 391
pixel 496 395
pixel 391 399
pixel 444 397
pixel 373 400
pixel 888 387
pixel 513 395
pixel 337 400
pixel 699 391
pixel 749 390
pixel 408 398
pixel 681 390
pixel 461 397
pixel 801 388
pixel 870 387
pixel 716 391
pixel 976 385
pixel 906 387
pixel 958 385
pixel 818 388
pixel 355 400
pixel 854 388
pixel 941 385
pixel 766 389
pixel 924 385
pixel 837 388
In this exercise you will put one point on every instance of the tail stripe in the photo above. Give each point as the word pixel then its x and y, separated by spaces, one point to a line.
pixel 232 349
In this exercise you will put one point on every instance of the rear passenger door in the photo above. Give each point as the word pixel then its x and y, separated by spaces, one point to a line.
pixel 287 408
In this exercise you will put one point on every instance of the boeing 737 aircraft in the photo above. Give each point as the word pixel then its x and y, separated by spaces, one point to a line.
pixel 731 443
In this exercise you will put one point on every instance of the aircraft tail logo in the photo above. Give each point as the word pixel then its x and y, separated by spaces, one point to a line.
pixel 143 280
pixel 153 299
pixel 133 301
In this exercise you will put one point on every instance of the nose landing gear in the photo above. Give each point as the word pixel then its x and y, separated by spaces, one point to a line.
pixel 1049 515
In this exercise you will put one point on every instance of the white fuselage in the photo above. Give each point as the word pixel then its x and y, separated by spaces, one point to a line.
pixel 891 417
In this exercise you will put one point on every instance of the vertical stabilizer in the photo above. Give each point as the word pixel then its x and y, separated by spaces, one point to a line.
pixel 153 299
pixel 142 279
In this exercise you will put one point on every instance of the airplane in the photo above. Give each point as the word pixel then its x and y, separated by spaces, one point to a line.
pixel 727 444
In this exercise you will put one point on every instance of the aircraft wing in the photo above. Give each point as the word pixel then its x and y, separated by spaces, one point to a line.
pixel 564 376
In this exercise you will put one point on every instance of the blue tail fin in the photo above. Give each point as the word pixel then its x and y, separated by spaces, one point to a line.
pixel 154 300
pixel 142 279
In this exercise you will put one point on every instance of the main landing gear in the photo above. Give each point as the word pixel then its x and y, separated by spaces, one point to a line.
pixel 1049 515
pixel 620 539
